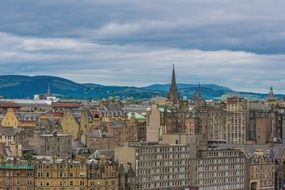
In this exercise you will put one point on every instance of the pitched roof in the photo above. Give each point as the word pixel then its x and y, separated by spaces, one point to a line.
pixel 65 105
pixel 9 131
pixel 9 104
pixel 109 153
pixel 95 134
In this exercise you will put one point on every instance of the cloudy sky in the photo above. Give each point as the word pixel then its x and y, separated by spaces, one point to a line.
pixel 236 43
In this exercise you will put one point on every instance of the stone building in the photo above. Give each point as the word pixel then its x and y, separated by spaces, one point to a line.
pixel 236 120
pixel 130 132
pixel 127 178
pixel 262 171
pixel 59 174
pixel 117 129
pixel 9 135
pixel 86 121
pixel 259 125
pixel 278 123
pixel 10 119
pixel 174 120
pixel 16 175
pixel 153 124
pixel 216 124
pixel 102 174
pixel 23 119
pixel 141 129
pixel 98 140
pixel 57 145
pixel 70 125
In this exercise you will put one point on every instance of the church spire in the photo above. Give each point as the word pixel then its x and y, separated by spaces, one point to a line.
pixel 173 94
pixel 48 91
pixel 199 88
pixel 197 96
pixel 271 94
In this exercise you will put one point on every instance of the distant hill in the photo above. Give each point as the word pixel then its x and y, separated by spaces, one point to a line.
pixel 18 86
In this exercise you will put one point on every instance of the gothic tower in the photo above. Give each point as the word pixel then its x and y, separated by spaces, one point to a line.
pixel 197 97
pixel 173 94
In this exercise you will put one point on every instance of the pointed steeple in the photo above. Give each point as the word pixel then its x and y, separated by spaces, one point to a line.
pixel 271 94
pixel 197 96
pixel 48 91
pixel 173 94
pixel 199 89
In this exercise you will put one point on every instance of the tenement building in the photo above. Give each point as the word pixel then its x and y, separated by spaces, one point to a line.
pixel 259 127
pixel 15 174
pixel 60 174
pixel 236 120
pixel 216 121
pixel 102 174
pixel 58 145
pixel 262 170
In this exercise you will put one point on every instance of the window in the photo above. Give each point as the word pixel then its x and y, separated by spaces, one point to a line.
pixel 30 182
pixel 30 173
pixel 40 174
pixel 71 183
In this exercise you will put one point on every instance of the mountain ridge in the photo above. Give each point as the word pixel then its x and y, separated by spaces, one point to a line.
pixel 22 86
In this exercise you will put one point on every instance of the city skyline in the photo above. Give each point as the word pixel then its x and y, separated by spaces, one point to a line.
pixel 136 43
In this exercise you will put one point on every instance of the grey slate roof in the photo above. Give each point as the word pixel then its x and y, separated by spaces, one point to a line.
pixel 9 131
pixel 98 153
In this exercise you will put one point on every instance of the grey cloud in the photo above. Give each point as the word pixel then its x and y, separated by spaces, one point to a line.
pixel 130 42
pixel 138 65
pixel 207 25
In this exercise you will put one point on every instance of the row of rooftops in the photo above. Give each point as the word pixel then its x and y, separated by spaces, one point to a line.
pixel 20 164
